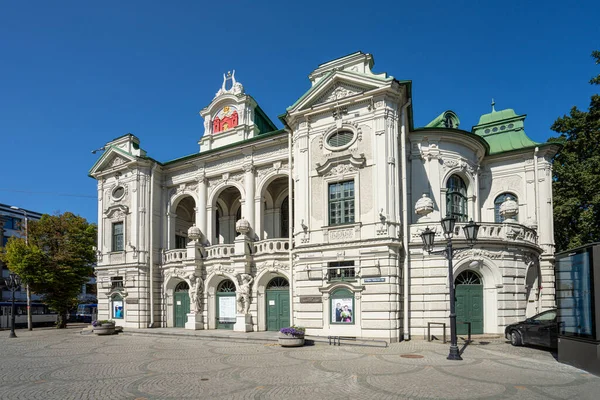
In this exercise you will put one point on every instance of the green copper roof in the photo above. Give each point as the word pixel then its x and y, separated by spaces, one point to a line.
pixel 504 131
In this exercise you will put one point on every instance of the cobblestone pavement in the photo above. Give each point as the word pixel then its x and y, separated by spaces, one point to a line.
pixel 53 364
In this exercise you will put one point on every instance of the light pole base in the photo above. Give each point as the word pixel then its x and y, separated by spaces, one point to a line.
pixel 12 334
pixel 454 354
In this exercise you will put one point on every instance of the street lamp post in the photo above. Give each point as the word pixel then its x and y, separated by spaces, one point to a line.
pixel 428 237
pixel 13 283
pixel 29 319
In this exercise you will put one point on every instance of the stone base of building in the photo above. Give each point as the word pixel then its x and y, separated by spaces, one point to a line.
pixel 243 323
pixel 194 322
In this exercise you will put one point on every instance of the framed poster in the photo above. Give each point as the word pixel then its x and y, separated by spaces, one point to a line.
pixel 117 305
pixel 227 309
pixel 342 307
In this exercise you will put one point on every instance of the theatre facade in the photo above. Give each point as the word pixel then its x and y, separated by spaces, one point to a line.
pixel 319 224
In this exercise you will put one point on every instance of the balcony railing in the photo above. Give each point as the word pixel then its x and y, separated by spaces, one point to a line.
pixel 488 231
pixel 271 246
pixel 220 251
pixel 175 255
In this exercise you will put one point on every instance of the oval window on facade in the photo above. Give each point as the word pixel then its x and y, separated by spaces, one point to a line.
pixel 340 139
pixel 118 192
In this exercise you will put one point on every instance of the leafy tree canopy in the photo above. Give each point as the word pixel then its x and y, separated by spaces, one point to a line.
pixel 576 182
pixel 57 260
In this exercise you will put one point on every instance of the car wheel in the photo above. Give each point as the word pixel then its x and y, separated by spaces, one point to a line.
pixel 515 338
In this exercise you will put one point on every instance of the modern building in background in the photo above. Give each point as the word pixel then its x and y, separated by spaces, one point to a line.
pixel 12 223
pixel 318 224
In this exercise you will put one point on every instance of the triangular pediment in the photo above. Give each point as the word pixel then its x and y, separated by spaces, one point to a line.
pixel 113 159
pixel 337 86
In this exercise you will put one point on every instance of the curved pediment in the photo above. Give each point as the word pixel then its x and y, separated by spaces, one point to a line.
pixel 343 163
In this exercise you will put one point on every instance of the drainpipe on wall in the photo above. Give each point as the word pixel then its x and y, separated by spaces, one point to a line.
pixel 405 327
pixel 537 185
pixel 151 247
pixel 290 224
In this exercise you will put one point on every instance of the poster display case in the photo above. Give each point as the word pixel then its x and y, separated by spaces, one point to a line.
pixel 578 304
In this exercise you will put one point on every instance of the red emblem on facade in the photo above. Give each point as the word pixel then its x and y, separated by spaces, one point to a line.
pixel 228 120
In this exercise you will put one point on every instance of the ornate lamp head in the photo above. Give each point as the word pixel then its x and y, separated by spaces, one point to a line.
pixel 428 237
pixel 471 230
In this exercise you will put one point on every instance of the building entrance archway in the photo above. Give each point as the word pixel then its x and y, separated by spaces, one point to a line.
pixel 226 307
pixel 181 304
pixel 469 302
pixel 278 304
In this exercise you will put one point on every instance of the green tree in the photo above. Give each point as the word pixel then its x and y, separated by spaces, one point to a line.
pixel 57 261
pixel 576 182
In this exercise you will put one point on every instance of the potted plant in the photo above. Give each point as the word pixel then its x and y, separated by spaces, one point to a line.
pixel 104 327
pixel 292 336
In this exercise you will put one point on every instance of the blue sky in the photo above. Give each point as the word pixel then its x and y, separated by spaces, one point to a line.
pixel 76 74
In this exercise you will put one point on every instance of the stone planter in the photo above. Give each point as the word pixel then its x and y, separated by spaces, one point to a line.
pixel 290 341
pixel 105 329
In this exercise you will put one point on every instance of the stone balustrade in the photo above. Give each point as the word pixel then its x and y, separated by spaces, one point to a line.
pixel 220 251
pixel 488 231
pixel 271 246
pixel 175 256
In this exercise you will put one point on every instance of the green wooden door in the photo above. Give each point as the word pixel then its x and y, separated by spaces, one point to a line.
pixel 278 309
pixel 469 308
pixel 226 305
pixel 182 308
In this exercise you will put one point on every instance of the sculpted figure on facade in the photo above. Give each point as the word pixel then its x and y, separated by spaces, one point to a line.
pixel 196 289
pixel 243 294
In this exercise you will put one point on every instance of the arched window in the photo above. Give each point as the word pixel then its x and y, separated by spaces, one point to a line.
pixel 278 283
pixel 498 202
pixel 468 278
pixel 285 217
pixel 226 286
pixel 182 287
pixel 342 307
pixel 456 198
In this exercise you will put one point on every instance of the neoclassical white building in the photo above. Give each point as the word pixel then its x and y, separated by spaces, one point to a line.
pixel 319 224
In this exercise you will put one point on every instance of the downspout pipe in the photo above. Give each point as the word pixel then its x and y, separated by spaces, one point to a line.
pixel 151 246
pixel 537 185
pixel 290 224
pixel 406 260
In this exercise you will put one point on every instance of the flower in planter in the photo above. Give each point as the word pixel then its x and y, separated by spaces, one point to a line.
pixel 293 331
pixel 98 323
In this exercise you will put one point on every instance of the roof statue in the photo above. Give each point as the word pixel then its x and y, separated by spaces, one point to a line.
pixel 236 87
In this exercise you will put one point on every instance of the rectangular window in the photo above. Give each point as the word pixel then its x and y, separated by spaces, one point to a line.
pixel 117 237
pixel 341 203
pixel 12 223
pixel 341 271
pixel 116 282
pixel 180 242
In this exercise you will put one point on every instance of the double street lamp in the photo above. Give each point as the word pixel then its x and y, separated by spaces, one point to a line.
pixel 428 236
pixel 13 283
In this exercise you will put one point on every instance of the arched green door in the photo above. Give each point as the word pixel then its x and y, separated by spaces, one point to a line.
pixel 226 307
pixel 469 302
pixel 278 304
pixel 181 304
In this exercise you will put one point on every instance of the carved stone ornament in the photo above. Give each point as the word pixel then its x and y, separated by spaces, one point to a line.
pixel 219 269
pixel 341 165
pixel 236 87
pixel 509 209
pixel 118 161
pixel 272 266
pixel 339 92
pixel 477 253
pixel 118 211
pixel 424 206
pixel 194 233
pixel 462 164
pixel 242 226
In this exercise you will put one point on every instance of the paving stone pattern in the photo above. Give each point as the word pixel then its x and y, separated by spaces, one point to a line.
pixel 53 364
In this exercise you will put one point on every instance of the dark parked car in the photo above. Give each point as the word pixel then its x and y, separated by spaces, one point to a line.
pixel 539 330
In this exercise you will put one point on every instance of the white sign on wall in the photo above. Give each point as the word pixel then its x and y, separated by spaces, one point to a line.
pixel 227 309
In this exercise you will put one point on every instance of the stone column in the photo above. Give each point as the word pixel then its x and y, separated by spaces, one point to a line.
pixel 249 182
pixel 202 207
